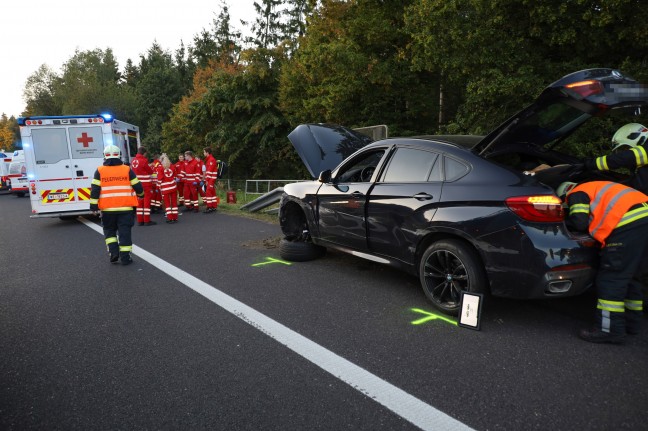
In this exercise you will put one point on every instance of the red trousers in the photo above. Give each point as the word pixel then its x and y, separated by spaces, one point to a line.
pixel 144 206
pixel 171 205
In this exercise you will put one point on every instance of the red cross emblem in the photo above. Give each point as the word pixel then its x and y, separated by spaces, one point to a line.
pixel 85 139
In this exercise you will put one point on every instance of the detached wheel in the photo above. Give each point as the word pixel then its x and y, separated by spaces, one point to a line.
pixel 300 251
pixel 447 268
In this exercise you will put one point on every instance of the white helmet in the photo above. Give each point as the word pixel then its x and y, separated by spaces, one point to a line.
pixel 565 188
pixel 632 134
pixel 112 152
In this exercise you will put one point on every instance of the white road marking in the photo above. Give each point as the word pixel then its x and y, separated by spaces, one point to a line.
pixel 398 401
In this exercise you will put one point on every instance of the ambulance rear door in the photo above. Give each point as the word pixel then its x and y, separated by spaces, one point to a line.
pixel 63 162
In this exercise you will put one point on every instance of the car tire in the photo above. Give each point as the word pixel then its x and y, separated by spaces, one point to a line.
pixel 447 268
pixel 300 251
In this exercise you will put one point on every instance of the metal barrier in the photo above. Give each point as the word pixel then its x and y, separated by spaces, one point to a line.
pixel 260 187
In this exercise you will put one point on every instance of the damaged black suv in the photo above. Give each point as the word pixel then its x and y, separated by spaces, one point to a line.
pixel 461 212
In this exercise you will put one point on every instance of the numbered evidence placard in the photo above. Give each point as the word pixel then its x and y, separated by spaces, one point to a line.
pixel 471 309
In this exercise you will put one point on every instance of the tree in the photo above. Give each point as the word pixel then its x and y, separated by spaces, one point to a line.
pixel 159 87
pixel 9 133
pixel 39 93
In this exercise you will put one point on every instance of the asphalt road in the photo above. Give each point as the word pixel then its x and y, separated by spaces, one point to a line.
pixel 206 331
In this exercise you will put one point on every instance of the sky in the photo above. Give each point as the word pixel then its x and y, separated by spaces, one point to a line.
pixel 48 32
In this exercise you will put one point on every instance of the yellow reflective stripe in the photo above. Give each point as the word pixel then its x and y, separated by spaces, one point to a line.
pixel 640 156
pixel 634 305
pixel 125 248
pixel 111 240
pixel 94 201
pixel 633 215
pixel 579 208
pixel 96 182
pixel 115 195
pixel 613 306
pixel 116 188
pixel 117 209
pixel 134 181
pixel 601 163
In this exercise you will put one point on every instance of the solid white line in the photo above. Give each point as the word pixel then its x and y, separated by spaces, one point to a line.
pixel 398 401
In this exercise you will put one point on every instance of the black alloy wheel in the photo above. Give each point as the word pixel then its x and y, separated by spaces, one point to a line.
pixel 447 268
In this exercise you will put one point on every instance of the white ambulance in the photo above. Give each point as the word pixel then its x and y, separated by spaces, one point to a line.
pixel 62 154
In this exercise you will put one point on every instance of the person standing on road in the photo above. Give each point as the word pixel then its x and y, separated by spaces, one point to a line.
pixel 156 194
pixel 113 192
pixel 179 168
pixel 617 217
pixel 167 184
pixel 629 151
pixel 211 174
pixel 192 178
pixel 144 173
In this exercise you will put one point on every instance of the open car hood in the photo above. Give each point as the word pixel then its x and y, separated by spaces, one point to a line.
pixel 324 146
pixel 562 107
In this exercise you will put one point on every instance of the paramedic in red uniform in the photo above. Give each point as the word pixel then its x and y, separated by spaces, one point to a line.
pixel 141 167
pixel 211 174
pixel 166 178
pixel 617 217
pixel 179 169
pixel 192 178
pixel 113 192
pixel 156 195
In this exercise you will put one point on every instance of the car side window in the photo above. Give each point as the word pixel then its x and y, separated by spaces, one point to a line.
pixel 454 169
pixel 361 169
pixel 410 165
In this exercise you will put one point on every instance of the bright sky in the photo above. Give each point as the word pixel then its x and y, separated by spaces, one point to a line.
pixel 48 32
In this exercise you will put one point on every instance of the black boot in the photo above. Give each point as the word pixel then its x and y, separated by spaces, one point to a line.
pixel 595 335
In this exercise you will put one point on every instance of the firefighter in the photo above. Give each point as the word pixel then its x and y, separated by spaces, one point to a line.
pixel 211 175
pixel 167 184
pixel 141 167
pixel 113 193
pixel 617 217
pixel 179 169
pixel 191 180
pixel 629 151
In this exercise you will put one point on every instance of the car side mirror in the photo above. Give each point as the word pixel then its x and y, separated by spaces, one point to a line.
pixel 325 176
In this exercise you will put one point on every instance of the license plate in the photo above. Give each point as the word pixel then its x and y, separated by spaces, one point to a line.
pixel 53 196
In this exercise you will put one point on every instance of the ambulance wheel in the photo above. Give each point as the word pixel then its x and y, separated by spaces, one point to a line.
pixel 20 194
pixel 300 251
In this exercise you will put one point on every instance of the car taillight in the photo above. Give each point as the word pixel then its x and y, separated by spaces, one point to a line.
pixel 544 208
pixel 586 88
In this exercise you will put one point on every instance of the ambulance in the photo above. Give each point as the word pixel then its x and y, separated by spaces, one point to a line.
pixel 17 174
pixel 62 154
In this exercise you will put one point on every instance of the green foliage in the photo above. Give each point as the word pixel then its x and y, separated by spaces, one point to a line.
pixel 419 66
pixel 9 133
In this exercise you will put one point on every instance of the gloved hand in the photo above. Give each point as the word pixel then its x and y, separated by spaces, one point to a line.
pixel 202 184
pixel 194 183
pixel 177 180
pixel 590 164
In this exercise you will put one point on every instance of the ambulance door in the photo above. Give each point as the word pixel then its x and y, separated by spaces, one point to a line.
pixel 86 149
pixel 52 169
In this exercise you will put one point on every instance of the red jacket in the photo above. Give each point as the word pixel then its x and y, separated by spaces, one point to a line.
pixel 211 171
pixel 143 171
pixel 193 171
pixel 166 180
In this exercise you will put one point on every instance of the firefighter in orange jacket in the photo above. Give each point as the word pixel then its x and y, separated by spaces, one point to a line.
pixel 141 167
pixel 113 192
pixel 166 178
pixel 617 217
pixel 211 175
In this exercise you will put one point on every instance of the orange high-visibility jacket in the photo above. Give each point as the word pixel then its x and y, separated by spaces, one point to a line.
pixel 609 203
pixel 116 189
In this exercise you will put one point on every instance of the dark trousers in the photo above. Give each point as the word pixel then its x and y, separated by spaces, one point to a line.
pixel 618 282
pixel 117 232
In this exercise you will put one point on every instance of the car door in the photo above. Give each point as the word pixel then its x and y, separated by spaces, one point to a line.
pixel 403 202
pixel 341 203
